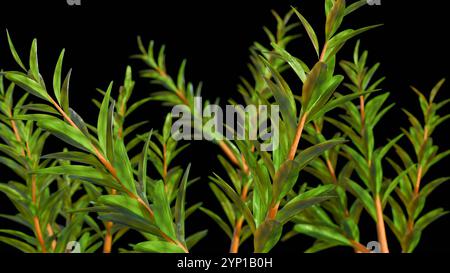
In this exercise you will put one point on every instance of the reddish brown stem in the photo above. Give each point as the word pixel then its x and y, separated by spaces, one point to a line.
pixel 16 134
pixel 363 113
pixel 113 172
pixel 359 248
pixel 298 136
pixel 381 230
pixel 37 224
pixel 238 227
pixel 232 157
pixel 418 180
pixel 324 51
pixel 273 211
pixel 107 243
pixel 332 171
pixel 164 162
pixel 37 229
pixel 234 248
pixel 51 233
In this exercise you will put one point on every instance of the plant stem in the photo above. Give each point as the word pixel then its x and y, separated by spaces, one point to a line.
pixel 359 248
pixel 238 227
pixel 107 243
pixel 36 222
pixel 324 51
pixel 332 171
pixel 164 174
pixel 273 211
pixel 381 230
pixel 37 228
pixel 298 136
pixel 418 180
pixel 113 172
pixel 363 113
pixel 51 233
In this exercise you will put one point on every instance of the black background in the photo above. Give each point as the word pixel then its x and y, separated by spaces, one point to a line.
pixel 99 37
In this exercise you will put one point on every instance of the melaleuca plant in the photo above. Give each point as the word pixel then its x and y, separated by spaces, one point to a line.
pixel 129 199
pixel 327 171
pixel 412 187
pixel 44 213
pixel 269 178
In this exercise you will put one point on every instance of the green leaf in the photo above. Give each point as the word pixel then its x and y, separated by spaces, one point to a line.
pixel 57 77
pixel 267 235
pixel 25 237
pixel 328 6
pixel 224 202
pixel 219 221
pixel 429 218
pixel 312 35
pixel 180 206
pixel 436 89
pixel 125 202
pixel 27 84
pixel 78 170
pixel 39 107
pixel 321 245
pixel 65 92
pixel 34 67
pixel 306 156
pixel 79 122
pixel 334 18
pixel 363 196
pixel 284 179
pixel 393 184
pixel 336 43
pixel 14 52
pixel 180 78
pixel 103 120
pixel 431 186
pixel 320 110
pixel 324 233
pixel 295 207
pixel 166 128
pixel 11 192
pixel 142 168
pixel 236 200
pixel 79 157
pixel 314 81
pixel 63 131
pixel 163 214
pixel 298 66
pixel 136 105
pixel 355 6
pixel 24 247
pixel 192 240
pixel 158 247
pixel 123 166
pixel 129 219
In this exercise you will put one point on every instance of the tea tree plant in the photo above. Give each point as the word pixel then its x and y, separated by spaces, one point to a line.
pixel 411 189
pixel 281 169
pixel 105 161
pixel 38 206
pixel 327 170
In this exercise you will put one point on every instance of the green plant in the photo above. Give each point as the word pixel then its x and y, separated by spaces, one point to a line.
pixel 325 173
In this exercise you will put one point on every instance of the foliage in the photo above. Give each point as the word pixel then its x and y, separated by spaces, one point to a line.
pixel 112 180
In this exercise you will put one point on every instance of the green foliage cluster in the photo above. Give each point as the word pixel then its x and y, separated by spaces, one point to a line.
pixel 101 186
